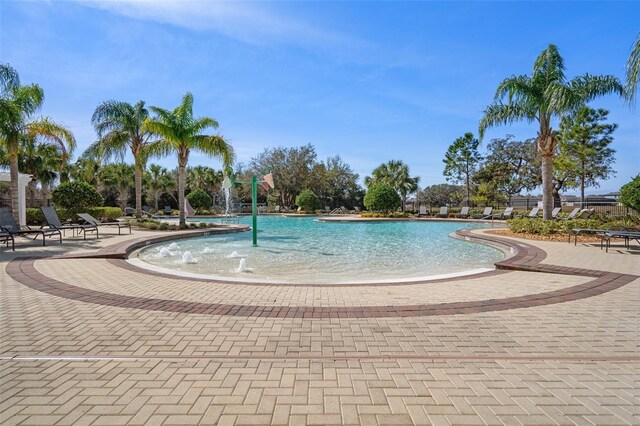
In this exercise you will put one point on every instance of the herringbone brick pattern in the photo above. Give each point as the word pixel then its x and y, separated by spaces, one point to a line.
pixel 568 363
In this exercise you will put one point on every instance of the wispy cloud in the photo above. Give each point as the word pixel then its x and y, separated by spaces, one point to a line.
pixel 255 23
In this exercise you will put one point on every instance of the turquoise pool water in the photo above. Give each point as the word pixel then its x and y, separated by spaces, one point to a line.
pixel 302 249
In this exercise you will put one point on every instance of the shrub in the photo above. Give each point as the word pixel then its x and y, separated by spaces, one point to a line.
pixel 382 197
pixel 308 201
pixel 77 196
pixel 35 217
pixel 546 227
pixel 385 215
pixel 630 194
pixel 199 199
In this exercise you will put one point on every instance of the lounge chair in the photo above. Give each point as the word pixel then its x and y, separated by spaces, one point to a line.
pixel 168 210
pixel 93 221
pixel 506 214
pixel 6 237
pixel 444 212
pixel 464 213
pixel 626 235
pixel 423 211
pixel 554 212
pixel 486 214
pixel 586 213
pixel 591 231
pixel 572 215
pixel 533 214
pixel 53 221
pixel 8 225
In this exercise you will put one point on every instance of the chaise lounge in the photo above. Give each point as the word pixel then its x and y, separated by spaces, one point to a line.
pixel 8 225
pixel 93 221
pixel 53 221
pixel 444 212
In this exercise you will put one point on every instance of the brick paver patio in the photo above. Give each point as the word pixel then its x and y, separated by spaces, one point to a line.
pixel 551 338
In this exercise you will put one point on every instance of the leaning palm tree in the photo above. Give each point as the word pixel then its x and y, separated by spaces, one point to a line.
pixel 180 133
pixel 633 71
pixel 541 97
pixel 18 104
pixel 119 127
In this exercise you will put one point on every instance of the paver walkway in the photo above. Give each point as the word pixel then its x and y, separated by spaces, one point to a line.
pixel 387 354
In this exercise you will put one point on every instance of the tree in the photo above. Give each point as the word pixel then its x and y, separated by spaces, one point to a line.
pixel 199 199
pixel 119 177
pixel 441 195
pixel 336 184
pixel 633 71
pixel 395 174
pixel 76 196
pixel 180 133
pixel 158 180
pixel 120 129
pixel 381 197
pixel 630 194
pixel 461 161
pixel 510 167
pixel 18 104
pixel 308 201
pixel 541 97
pixel 584 139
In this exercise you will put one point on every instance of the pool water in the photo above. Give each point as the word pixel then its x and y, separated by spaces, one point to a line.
pixel 302 249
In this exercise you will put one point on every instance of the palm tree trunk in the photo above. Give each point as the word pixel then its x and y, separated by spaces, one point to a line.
pixel 156 195
pixel 14 174
pixel 182 163
pixel 547 186
pixel 138 184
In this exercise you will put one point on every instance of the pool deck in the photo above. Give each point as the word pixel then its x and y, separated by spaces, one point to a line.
pixel 551 337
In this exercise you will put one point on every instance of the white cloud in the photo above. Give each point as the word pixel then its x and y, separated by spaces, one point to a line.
pixel 246 21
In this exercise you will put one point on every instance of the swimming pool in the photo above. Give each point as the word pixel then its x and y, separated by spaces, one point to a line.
pixel 305 250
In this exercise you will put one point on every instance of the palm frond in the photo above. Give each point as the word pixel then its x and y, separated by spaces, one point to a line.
pixel 48 130
pixel 549 65
pixel 516 88
pixel 633 71
pixel 499 113
pixel 589 87
pixel 216 146
pixel 9 78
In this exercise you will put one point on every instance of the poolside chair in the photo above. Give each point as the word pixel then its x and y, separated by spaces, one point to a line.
pixel 626 235
pixel 486 214
pixel 554 212
pixel 53 221
pixel 93 221
pixel 506 214
pixel 592 231
pixel 6 237
pixel 586 213
pixel 533 214
pixel 572 215
pixel 8 225
pixel 464 213
pixel 168 210
pixel 423 211
pixel 444 212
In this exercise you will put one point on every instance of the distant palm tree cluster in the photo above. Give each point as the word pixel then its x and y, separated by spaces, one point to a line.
pixel 43 148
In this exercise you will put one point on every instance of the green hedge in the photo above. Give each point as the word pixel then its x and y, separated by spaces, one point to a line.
pixel 35 217
pixel 546 227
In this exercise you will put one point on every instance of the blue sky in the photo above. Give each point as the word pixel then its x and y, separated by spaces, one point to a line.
pixel 370 81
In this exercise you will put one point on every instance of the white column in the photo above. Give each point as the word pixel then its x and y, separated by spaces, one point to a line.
pixel 23 181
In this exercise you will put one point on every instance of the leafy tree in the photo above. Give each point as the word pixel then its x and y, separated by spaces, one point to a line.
pixel 308 201
pixel 158 181
pixel 180 133
pixel 584 140
pixel 630 194
pixel 76 196
pixel 510 166
pixel 199 199
pixel 633 71
pixel 119 127
pixel 395 174
pixel 541 97
pixel 119 177
pixel 441 195
pixel 461 161
pixel 336 184
pixel 291 168
pixel 382 197
pixel 18 104
pixel 488 194
pixel 86 168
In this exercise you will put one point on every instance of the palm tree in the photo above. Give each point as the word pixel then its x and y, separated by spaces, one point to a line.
pixel 396 174
pixel 117 176
pixel 18 103
pixel 180 132
pixel 633 71
pixel 119 127
pixel 541 97
pixel 158 180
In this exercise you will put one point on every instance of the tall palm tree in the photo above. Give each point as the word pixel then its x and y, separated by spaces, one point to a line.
pixel 396 174
pixel 633 71
pixel 158 180
pixel 180 133
pixel 118 177
pixel 541 97
pixel 119 127
pixel 18 104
